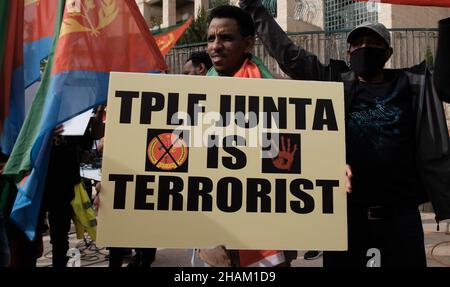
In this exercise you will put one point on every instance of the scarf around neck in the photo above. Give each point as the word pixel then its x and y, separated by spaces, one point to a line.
pixel 251 68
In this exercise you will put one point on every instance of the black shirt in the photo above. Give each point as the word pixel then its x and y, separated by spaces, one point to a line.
pixel 380 143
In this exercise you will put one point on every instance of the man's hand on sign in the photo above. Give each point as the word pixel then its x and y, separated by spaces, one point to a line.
pixel 58 130
pixel 98 124
pixel 57 139
pixel 348 179
pixel 96 202
pixel 285 157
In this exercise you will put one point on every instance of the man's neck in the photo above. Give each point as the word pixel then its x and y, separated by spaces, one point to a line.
pixel 225 74
pixel 377 79
pixel 230 73
pixel 233 71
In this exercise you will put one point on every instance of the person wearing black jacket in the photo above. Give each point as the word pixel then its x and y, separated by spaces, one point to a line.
pixel 4 245
pixel 62 176
pixel 397 142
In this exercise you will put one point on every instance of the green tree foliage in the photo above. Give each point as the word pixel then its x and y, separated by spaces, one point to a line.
pixel 216 3
pixel 196 33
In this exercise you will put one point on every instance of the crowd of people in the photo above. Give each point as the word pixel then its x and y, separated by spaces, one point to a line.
pixel 390 131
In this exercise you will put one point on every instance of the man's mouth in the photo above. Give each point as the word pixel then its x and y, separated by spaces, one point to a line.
pixel 217 58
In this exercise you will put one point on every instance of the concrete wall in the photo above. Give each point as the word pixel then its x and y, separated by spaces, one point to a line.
pixel 294 18
pixel 402 16
pixel 145 10
pixel 311 16
pixel 186 9
pixel 156 11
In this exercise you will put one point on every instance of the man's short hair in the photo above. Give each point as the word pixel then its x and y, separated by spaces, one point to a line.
pixel 244 20
pixel 198 58
pixel 376 28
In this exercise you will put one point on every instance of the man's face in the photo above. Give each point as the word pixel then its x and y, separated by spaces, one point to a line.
pixel 190 69
pixel 368 54
pixel 368 39
pixel 227 48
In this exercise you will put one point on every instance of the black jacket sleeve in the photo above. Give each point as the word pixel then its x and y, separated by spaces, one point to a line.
pixel 442 63
pixel 293 60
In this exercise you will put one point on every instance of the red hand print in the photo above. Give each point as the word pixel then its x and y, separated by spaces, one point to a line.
pixel 285 157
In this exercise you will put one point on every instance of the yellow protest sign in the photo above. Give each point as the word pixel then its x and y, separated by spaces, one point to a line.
pixel 193 161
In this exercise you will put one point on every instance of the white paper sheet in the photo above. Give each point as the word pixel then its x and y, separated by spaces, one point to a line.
pixel 77 126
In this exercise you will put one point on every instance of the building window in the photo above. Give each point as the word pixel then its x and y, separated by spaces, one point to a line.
pixel 271 6
pixel 346 14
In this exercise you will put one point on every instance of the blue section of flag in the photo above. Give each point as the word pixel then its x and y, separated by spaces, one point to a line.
pixel 33 53
pixel 70 94
pixel 25 212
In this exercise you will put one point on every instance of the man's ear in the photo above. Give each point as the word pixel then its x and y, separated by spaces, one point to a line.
pixel 249 44
pixel 201 69
pixel 390 51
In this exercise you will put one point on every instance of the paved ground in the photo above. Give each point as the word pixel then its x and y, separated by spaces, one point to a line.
pixel 437 244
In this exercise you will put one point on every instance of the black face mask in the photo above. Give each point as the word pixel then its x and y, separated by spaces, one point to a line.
pixel 367 62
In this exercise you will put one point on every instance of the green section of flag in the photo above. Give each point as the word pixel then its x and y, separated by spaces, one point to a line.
pixel 19 162
pixel 265 73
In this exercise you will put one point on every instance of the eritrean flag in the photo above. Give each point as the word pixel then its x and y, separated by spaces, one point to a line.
pixel 39 25
pixel 437 3
pixel 168 39
pixel 26 39
pixel 92 38
pixel 12 94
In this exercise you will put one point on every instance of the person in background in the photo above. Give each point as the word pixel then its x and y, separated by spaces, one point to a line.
pixel 397 142
pixel 143 257
pixel 198 64
pixel 231 38
pixel 4 245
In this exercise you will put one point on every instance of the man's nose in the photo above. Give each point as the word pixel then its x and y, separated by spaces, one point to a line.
pixel 217 44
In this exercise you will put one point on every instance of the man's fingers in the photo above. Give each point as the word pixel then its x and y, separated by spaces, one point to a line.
pixel 348 171
pixel 58 130
pixel 96 202
pixel 283 144
pixel 98 187
pixel 348 185
pixel 294 149
pixel 348 179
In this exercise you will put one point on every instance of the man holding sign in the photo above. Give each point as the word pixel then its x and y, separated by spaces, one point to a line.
pixel 396 138
pixel 231 37
pixel 235 161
